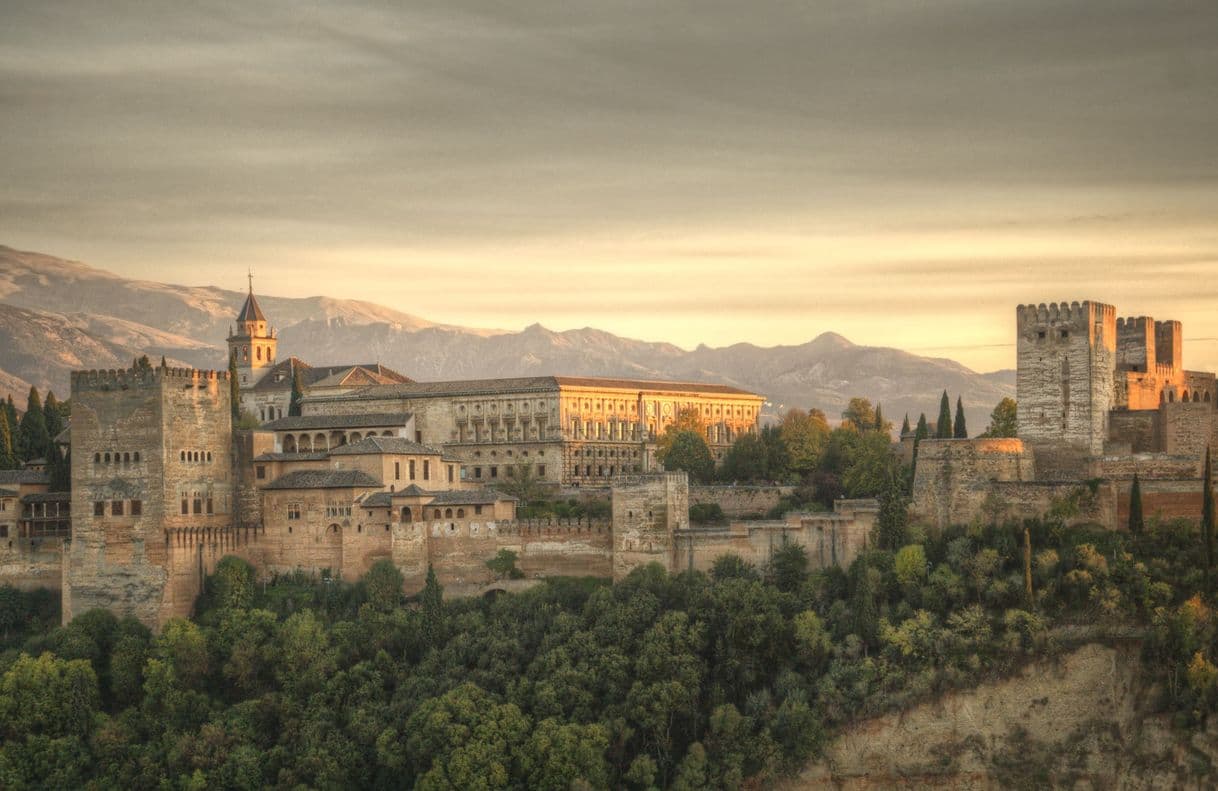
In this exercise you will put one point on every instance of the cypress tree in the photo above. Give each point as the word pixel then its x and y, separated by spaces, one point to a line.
pixel 297 392
pixel 1207 514
pixel 879 417
pixel 59 469
pixel 165 365
pixel 943 429
pixel 234 388
pixel 893 516
pixel 52 412
pixel 920 433
pixel 432 599
pixel 961 431
pixel 8 459
pixel 33 440
pixel 1135 506
pixel 905 425
pixel 11 409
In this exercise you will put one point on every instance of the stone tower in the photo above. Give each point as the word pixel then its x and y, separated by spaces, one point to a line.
pixel 1064 384
pixel 151 458
pixel 648 510
pixel 253 343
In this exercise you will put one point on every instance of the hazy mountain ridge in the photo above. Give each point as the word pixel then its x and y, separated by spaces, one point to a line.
pixel 63 315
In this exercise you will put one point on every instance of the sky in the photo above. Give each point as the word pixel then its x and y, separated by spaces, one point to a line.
pixel 902 173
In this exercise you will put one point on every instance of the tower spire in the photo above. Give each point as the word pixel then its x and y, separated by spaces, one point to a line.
pixel 250 272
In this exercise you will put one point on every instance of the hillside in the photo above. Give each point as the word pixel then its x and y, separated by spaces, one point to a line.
pixel 87 317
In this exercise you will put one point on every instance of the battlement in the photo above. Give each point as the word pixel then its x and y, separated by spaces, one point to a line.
pixel 523 527
pixel 126 378
pixel 1075 313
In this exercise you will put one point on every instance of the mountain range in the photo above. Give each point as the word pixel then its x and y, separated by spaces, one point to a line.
pixel 57 316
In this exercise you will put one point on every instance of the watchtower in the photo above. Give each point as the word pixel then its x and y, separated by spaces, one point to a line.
pixel 151 452
pixel 1066 356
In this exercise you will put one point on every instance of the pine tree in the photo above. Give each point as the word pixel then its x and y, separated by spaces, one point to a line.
pixel 1136 523
pixel 297 392
pixel 432 599
pixel 905 425
pixel 1207 514
pixel 234 389
pixel 33 439
pixel 8 460
pixel 961 431
pixel 943 429
pixel 52 412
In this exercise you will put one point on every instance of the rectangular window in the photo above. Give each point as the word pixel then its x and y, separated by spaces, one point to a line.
pixel 477 472
pixel 210 509
pixel 185 506
pixel 450 473
pixel 410 467
pixel 116 508
pixel 397 470
pixel 3 531
pixel 293 510
pixel 260 471
pixel 137 507
pixel 426 470
pixel 509 472
pixel 198 505
pixel 418 437
pixel 478 510
pixel 99 508
pixel 494 472
pixel 541 469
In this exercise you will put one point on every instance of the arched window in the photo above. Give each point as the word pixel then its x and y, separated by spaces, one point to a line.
pixel 1196 397
pixel 258 352
pixel 355 437
pixel 126 458
pixel 289 444
pixel 245 353
pixel 136 457
pixel 460 513
pixel 1207 396
pixel 406 517
pixel 1185 397
pixel 436 513
pixel 107 457
pixel 448 513
pixel 97 458
pixel 182 455
pixel 209 456
pixel 319 442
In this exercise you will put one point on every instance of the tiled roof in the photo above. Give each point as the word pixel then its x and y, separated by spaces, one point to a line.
pixel 470 497
pixel 291 457
pixel 371 446
pixel 530 384
pixel 279 377
pixel 7 493
pixel 413 490
pixel 250 311
pixel 47 497
pixel 361 376
pixel 23 476
pixel 311 422
pixel 325 479
pixel 377 500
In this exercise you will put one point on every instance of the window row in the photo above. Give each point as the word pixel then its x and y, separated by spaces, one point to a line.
pixel 494 471
pixel 126 457
pixel 119 507
pixel 338 510
pixel 607 472
pixel 195 456
pixel 197 505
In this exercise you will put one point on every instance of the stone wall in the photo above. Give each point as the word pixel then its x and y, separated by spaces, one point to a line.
pixel 30 563
pixel 647 513
pixel 1134 431
pixel 740 501
pixel 1187 428
pixel 953 477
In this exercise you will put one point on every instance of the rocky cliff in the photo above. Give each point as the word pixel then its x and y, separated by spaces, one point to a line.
pixel 1082 720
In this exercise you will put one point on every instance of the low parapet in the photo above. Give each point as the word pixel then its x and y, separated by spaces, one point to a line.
pixel 120 378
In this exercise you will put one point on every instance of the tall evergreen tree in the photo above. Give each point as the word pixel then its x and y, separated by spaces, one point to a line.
pixel 905 425
pixel 234 389
pixel 33 439
pixel 893 516
pixel 920 433
pixel 879 417
pixel 59 469
pixel 961 431
pixel 432 599
pixel 52 412
pixel 943 429
pixel 8 458
pixel 297 391
pixel 11 409
pixel 1136 523
pixel 1207 514
pixel 165 365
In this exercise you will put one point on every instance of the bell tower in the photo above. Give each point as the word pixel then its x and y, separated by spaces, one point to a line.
pixel 253 344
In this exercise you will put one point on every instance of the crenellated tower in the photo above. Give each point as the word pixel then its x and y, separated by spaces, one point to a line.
pixel 1067 354
pixel 253 343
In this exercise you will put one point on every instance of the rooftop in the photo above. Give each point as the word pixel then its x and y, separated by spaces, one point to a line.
pixel 48 497
pixel 311 422
pixel 23 476
pixel 279 377
pixel 530 384
pixel 7 493
pixel 325 479
pixel 250 310
pixel 292 457
pixel 373 446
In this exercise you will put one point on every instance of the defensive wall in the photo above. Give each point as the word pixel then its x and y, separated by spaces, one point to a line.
pixel 740 502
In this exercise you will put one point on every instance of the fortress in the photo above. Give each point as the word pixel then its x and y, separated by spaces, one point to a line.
pixel 1100 399
pixel 376 467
